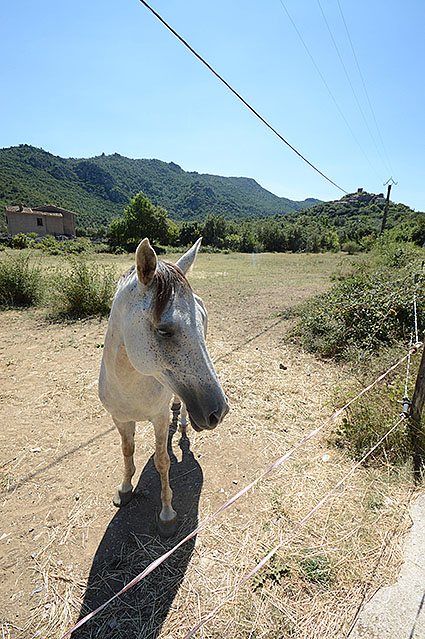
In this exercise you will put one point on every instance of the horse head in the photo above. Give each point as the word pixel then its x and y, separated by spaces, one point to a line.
pixel 165 335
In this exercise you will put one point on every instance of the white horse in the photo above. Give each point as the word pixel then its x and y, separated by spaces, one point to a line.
pixel 154 349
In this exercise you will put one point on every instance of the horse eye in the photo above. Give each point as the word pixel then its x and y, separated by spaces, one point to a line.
pixel 164 332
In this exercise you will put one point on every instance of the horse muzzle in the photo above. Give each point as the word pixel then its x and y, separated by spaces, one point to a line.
pixel 208 421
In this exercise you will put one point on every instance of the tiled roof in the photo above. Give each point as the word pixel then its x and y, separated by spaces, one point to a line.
pixel 49 208
pixel 27 211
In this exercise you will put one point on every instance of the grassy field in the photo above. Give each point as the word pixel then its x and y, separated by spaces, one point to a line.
pixel 65 549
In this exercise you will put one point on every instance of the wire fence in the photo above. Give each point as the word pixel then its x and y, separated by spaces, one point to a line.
pixel 157 562
pixel 292 532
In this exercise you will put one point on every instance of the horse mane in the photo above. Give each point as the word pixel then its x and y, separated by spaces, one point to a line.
pixel 167 278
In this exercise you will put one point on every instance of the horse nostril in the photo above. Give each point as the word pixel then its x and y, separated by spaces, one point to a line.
pixel 213 420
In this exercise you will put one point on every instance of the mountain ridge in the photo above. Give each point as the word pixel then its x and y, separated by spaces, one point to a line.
pixel 99 188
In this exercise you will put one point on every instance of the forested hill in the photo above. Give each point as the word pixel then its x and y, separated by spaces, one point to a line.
pixel 99 188
pixel 359 214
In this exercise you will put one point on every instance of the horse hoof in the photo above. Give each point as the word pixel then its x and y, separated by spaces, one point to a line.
pixel 167 528
pixel 121 499
pixel 176 406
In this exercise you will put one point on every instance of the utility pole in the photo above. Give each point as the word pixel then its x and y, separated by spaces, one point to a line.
pixel 417 430
pixel 390 182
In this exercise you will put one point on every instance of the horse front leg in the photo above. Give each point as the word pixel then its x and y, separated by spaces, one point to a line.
pixel 125 489
pixel 168 517
pixel 179 409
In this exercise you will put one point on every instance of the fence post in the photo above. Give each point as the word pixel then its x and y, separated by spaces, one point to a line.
pixel 417 431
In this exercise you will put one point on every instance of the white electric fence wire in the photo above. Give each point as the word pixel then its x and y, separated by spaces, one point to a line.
pixel 408 367
pixel 291 533
pixel 418 281
pixel 154 564
pixel 415 310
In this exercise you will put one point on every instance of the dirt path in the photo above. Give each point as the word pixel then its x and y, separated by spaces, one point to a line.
pixel 61 462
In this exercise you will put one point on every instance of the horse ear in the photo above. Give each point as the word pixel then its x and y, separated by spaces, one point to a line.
pixel 146 262
pixel 186 260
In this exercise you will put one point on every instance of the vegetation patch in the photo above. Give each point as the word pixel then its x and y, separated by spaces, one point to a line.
pixel 275 571
pixel 366 309
pixel 86 289
pixel 52 246
pixel 371 416
pixel 20 281
pixel 317 570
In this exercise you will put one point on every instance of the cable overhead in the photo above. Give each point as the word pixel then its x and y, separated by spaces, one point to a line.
pixel 347 75
pixel 325 83
pixel 364 87
pixel 238 95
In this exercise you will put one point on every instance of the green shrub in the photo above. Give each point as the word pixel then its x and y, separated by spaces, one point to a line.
pixel 20 282
pixel 102 248
pixel 275 571
pixel 317 570
pixel 75 247
pixel 86 289
pixel 366 309
pixel 394 254
pixel 50 245
pixel 370 417
pixel 20 241
pixel 351 248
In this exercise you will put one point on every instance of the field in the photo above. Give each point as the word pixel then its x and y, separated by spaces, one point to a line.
pixel 64 547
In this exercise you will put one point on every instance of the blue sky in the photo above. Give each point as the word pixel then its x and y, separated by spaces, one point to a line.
pixel 82 78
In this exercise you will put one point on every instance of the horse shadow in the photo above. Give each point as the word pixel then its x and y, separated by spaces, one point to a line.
pixel 131 542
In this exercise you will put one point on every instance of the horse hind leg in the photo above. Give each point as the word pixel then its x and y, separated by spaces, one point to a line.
pixel 168 517
pixel 183 419
pixel 124 491
pixel 175 409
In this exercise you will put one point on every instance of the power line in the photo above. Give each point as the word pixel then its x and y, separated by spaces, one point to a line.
pixel 217 75
pixel 325 83
pixel 349 80
pixel 364 86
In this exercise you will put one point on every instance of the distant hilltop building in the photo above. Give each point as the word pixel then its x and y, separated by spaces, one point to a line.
pixel 362 197
pixel 43 220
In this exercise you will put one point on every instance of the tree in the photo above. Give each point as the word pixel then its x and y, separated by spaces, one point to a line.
pixel 214 231
pixel 141 219
pixel 189 232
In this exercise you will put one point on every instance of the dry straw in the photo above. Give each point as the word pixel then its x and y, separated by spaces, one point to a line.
pixel 157 562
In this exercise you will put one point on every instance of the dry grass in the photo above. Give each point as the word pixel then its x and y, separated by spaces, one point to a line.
pixel 321 575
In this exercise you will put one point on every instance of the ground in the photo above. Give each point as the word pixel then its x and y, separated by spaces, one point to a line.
pixel 64 548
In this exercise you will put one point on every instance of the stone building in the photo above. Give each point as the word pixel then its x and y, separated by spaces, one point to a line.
pixel 43 220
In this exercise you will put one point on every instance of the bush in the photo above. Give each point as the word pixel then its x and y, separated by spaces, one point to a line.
pixel 75 247
pixel 366 309
pixel 50 245
pixel 351 248
pixel 371 416
pixel 85 290
pixel 20 241
pixel 397 255
pixel 102 248
pixel 20 282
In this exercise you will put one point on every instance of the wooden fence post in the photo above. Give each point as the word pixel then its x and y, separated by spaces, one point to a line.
pixel 417 431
